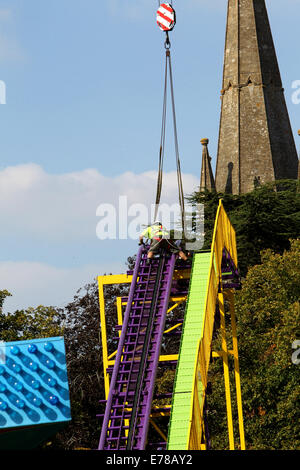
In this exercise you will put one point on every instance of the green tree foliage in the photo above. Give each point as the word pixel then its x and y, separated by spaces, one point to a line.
pixel 3 295
pixel 267 217
pixel 39 322
pixel 85 365
pixel 268 314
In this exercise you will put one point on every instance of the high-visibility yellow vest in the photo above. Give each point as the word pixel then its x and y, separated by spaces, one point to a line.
pixel 155 232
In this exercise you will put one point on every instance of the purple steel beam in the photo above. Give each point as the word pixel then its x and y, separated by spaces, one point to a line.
pixel 229 272
pixel 228 263
pixel 146 366
pixel 120 349
pixel 148 295
pixel 150 373
pixel 157 351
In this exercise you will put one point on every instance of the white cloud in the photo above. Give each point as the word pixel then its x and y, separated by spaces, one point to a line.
pixel 55 210
pixel 62 208
pixel 32 284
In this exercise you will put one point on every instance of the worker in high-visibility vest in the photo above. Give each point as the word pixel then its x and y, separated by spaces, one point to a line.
pixel 159 237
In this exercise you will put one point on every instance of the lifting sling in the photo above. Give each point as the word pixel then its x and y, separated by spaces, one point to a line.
pixel 168 71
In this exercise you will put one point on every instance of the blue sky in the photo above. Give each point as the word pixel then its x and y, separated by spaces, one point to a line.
pixel 81 125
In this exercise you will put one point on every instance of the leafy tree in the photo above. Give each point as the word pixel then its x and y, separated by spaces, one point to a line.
pixel 85 365
pixel 3 295
pixel 39 322
pixel 267 217
pixel 268 315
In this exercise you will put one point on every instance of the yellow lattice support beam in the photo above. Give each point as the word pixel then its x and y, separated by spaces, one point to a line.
pixel 112 279
pixel 186 429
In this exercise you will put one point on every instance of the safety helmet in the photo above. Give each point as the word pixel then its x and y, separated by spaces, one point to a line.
pixel 157 222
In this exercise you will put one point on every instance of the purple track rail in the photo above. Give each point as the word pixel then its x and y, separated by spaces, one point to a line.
pixel 126 419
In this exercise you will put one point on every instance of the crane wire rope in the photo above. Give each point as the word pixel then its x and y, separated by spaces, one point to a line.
pixel 168 71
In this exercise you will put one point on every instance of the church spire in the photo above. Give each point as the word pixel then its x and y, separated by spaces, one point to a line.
pixel 255 136
pixel 207 181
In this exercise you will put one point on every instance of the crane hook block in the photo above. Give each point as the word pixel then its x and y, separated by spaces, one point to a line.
pixel 166 17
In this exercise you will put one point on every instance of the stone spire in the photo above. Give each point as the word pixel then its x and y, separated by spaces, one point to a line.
pixel 255 137
pixel 207 178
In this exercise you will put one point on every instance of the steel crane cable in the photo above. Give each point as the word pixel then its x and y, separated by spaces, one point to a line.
pixel 144 356
pixel 168 68
pixel 162 143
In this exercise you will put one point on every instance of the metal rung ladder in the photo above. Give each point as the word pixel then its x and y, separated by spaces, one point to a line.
pixel 128 407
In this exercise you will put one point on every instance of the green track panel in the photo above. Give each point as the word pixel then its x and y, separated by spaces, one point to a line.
pixel 191 333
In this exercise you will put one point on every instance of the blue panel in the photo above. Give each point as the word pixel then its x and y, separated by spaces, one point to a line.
pixel 34 386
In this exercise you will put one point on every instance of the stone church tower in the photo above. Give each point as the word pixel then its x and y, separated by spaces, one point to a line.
pixel 256 143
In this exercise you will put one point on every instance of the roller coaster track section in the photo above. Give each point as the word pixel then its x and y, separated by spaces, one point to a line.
pixel 213 274
pixel 128 407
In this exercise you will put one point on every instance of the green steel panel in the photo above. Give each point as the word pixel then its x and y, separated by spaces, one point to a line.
pixel 191 333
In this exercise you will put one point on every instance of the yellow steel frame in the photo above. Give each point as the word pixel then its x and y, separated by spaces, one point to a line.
pixel 102 281
pixel 223 237
pixel 108 359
